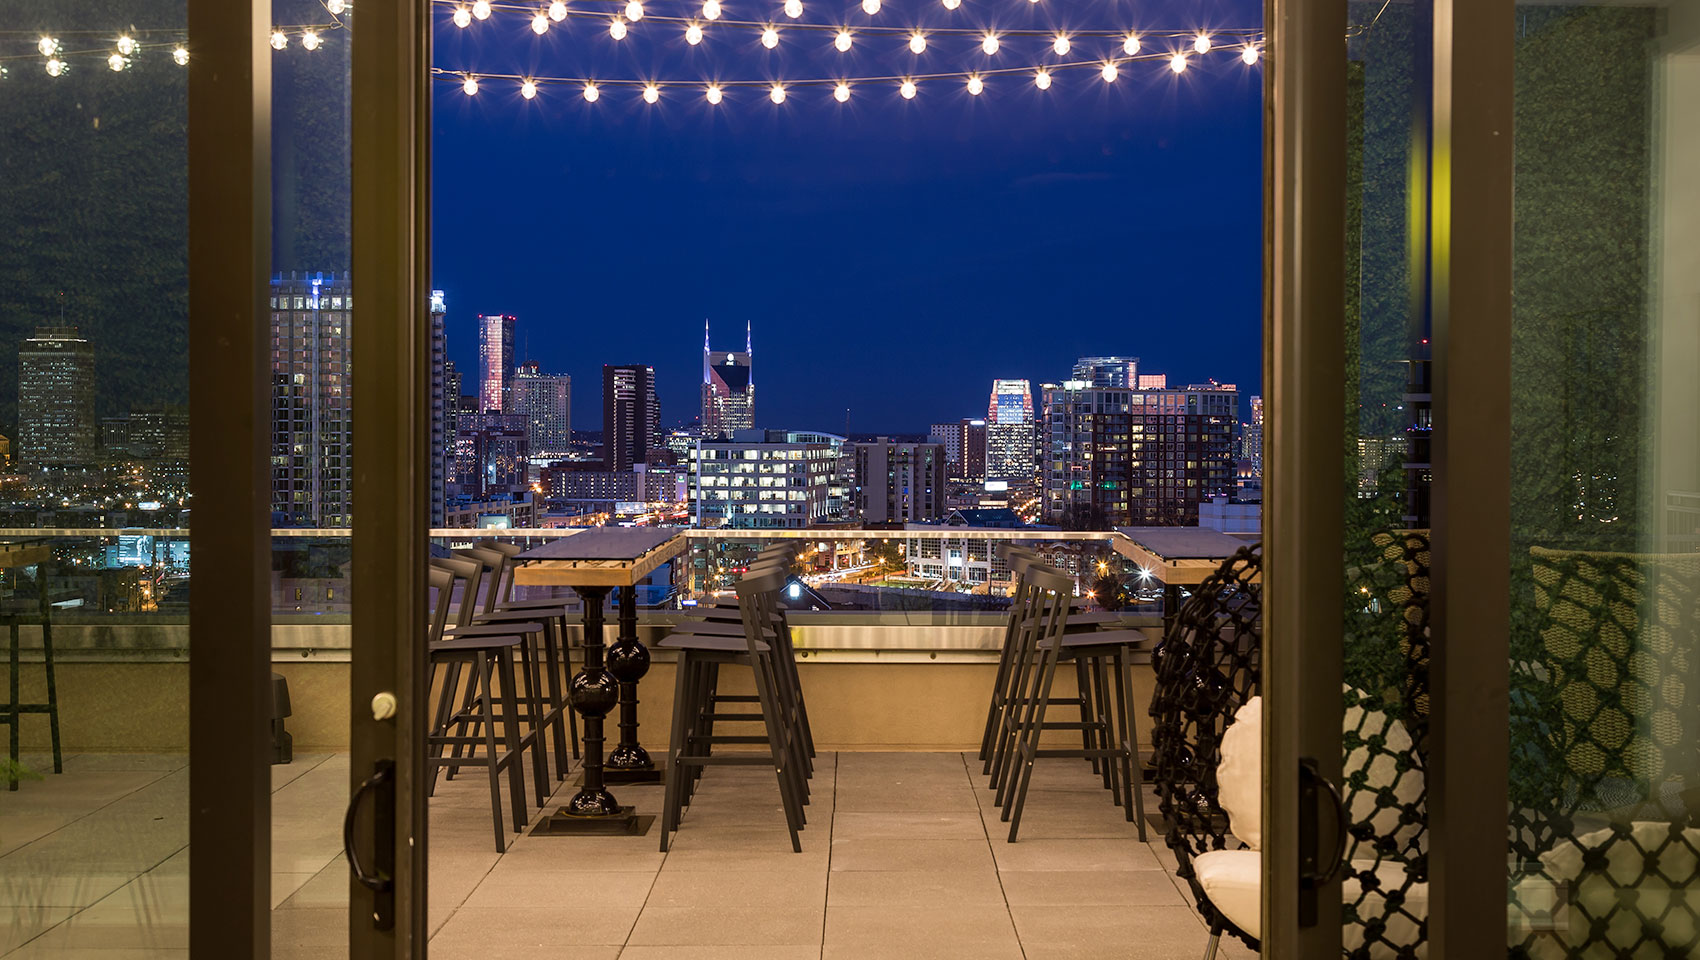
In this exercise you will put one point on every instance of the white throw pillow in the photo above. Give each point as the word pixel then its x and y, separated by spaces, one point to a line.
pixel 1239 774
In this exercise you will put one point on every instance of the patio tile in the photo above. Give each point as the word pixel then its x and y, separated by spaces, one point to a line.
pixel 873 888
pixel 920 931
pixel 911 855
pixel 471 929
pixel 1111 933
pixel 728 925
pixel 735 952
pixel 1073 855
pixel 1071 888
pixel 918 825
pixel 690 888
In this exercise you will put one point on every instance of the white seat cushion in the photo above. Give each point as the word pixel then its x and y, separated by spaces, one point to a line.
pixel 1232 879
pixel 1239 774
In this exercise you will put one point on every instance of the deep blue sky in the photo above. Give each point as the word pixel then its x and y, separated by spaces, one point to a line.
pixel 893 256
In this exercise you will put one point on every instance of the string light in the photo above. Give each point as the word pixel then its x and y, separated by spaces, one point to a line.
pixel 1042 79
pixel 693 34
pixel 714 93
pixel 777 94
pixel 462 17
pixel 975 85
pixel 634 11
pixel 181 55
pixel 528 89
pixel 55 66
pixel 591 94
pixel 1061 45
pixel 793 8
pixel 279 41
pixel 1130 46
pixel 1177 63
pixel 711 9
pixel 470 86
pixel 770 38
pixel 990 44
pixel 126 45
pixel 48 46
pixel 1109 73
pixel 870 7
pixel 907 90
pixel 651 93
pixel 310 40
pixel 1249 55
pixel 1201 43
pixel 481 9
pixel 540 23
pixel 918 42
pixel 337 7
pixel 558 11
pixel 842 41
pixel 617 28
pixel 841 93
pixel 116 62
pixel 952 4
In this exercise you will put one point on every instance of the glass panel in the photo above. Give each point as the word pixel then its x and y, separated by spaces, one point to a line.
pixel 1605 558
pixel 94 780
pixel 311 321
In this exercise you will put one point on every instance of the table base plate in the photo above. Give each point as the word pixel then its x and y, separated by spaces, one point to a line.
pixel 626 823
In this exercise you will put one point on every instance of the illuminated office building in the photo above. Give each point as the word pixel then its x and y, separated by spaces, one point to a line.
pixel 312 460
pixel 56 424
pixel 1009 432
pixel 728 389
pixel 495 361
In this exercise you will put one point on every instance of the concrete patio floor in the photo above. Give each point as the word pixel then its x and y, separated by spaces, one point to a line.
pixel 903 857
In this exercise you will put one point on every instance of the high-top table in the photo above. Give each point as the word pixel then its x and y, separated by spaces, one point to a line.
pixel 592 563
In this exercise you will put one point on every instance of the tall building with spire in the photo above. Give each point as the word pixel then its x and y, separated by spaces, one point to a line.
pixel 728 389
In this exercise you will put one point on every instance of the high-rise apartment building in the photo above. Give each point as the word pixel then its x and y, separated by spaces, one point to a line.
pixel 1251 438
pixel 631 415
pixel 159 433
pixel 950 436
pixel 451 396
pixel 1108 371
pixel 1009 432
pixel 439 408
pixel 964 448
pixel 546 402
pixel 754 482
pixel 495 361
pixel 56 425
pixel 1182 451
pixel 312 460
pixel 1087 454
pixel 900 482
pixel 728 388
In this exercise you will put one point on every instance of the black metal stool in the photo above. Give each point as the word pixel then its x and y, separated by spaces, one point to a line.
pixel 14 708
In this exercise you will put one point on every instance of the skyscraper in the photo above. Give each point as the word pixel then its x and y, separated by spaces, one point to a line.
pixel 1252 440
pixel 900 482
pixel 1086 447
pixel 1182 451
pixel 312 463
pixel 1108 371
pixel 56 425
pixel 545 400
pixel 631 416
pixel 1009 432
pixel 495 361
pixel 728 388
pixel 439 408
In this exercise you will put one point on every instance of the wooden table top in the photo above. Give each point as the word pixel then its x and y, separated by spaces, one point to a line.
pixel 600 557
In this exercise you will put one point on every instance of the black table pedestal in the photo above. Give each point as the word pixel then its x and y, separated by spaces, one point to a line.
pixel 628 661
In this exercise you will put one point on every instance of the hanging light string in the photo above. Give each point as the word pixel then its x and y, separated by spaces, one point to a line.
pixel 119 49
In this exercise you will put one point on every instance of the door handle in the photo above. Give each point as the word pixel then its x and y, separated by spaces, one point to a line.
pixel 381 879
pixel 1315 871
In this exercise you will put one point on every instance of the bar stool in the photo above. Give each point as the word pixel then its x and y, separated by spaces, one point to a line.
pixel 700 658
pixel 556 613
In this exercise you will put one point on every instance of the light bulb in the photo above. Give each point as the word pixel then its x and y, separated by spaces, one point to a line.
pixel 1177 63
pixel 990 44
pixel 651 93
pixel 842 41
pixel 1201 44
pixel 777 94
pixel 279 41
pixel 870 7
pixel 1109 73
pixel 693 34
pixel 841 93
pixel 634 11
pixel 793 8
pixel 1042 80
pixel 470 86
pixel 1249 55
pixel 711 9
pixel 770 38
pixel 1061 45
pixel 481 9
pixel 917 42
pixel 337 7
pixel 591 94
pixel 558 11
pixel 55 67
pixel 462 17
pixel 976 86
pixel 1130 46
pixel 116 62
pixel 310 40
pixel 617 29
pixel 126 46
pixel 540 23
pixel 713 93
pixel 952 4
pixel 47 45
pixel 528 89
pixel 181 56
pixel 907 90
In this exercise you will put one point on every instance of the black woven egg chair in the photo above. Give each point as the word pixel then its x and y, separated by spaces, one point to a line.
pixel 1209 663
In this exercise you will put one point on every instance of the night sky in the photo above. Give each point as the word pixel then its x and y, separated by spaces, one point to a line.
pixel 893 256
